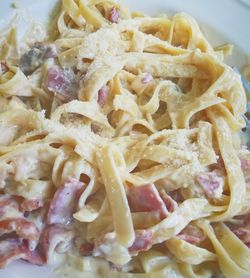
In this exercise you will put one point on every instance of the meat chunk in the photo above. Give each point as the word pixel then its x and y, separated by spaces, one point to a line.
pixel 113 15
pixel 242 229
pixel 143 241
pixel 36 56
pixel 169 202
pixel 192 234
pixel 23 228
pixel 62 82
pixel 212 183
pixel 64 202
pixel 245 163
pixel 146 198
pixel 30 205
pixel 86 249
pixel 147 78
pixel 102 95
pixel 12 250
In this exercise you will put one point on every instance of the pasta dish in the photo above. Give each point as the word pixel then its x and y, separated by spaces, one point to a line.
pixel 121 150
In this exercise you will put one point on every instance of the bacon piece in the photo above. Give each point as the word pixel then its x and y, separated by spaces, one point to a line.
pixel 245 164
pixel 211 183
pixel 56 238
pixel 176 195
pixel 30 205
pixel 64 202
pixel 147 78
pixel 146 198
pixel 86 249
pixel 23 228
pixel 242 229
pixel 62 82
pixel 192 234
pixel 102 95
pixel 143 241
pixel 113 15
pixel 170 203
pixel 12 250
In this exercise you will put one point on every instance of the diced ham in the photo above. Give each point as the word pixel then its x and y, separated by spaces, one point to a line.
pixel 12 250
pixel 192 234
pixel 241 228
pixel 147 78
pixel 245 164
pixel 169 202
pixel 113 15
pixel 176 195
pixel 102 95
pixel 143 241
pixel 61 82
pixel 30 205
pixel 64 202
pixel 146 198
pixel 36 56
pixel 22 227
pixel 56 238
pixel 86 249
pixel 211 183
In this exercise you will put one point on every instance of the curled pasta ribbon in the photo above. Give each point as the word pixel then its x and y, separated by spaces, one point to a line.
pixel 235 175
pixel 189 253
pixel 15 83
pixel 108 158
pixel 232 255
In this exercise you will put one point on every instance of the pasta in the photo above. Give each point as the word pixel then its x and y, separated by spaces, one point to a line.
pixel 121 151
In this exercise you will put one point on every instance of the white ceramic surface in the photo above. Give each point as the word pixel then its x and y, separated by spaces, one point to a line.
pixel 222 21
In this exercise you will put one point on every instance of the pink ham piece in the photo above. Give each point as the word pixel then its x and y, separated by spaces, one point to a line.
pixel 242 230
pixel 170 203
pixel 86 249
pixel 64 202
pixel 143 241
pixel 30 205
pixel 61 82
pixel 12 250
pixel 113 15
pixel 211 183
pixel 147 78
pixel 102 95
pixel 22 227
pixel 56 238
pixel 245 164
pixel 145 198
pixel 192 234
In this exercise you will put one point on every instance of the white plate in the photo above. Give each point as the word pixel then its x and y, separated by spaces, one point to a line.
pixel 222 21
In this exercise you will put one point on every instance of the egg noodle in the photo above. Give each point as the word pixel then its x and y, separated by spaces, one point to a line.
pixel 125 144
